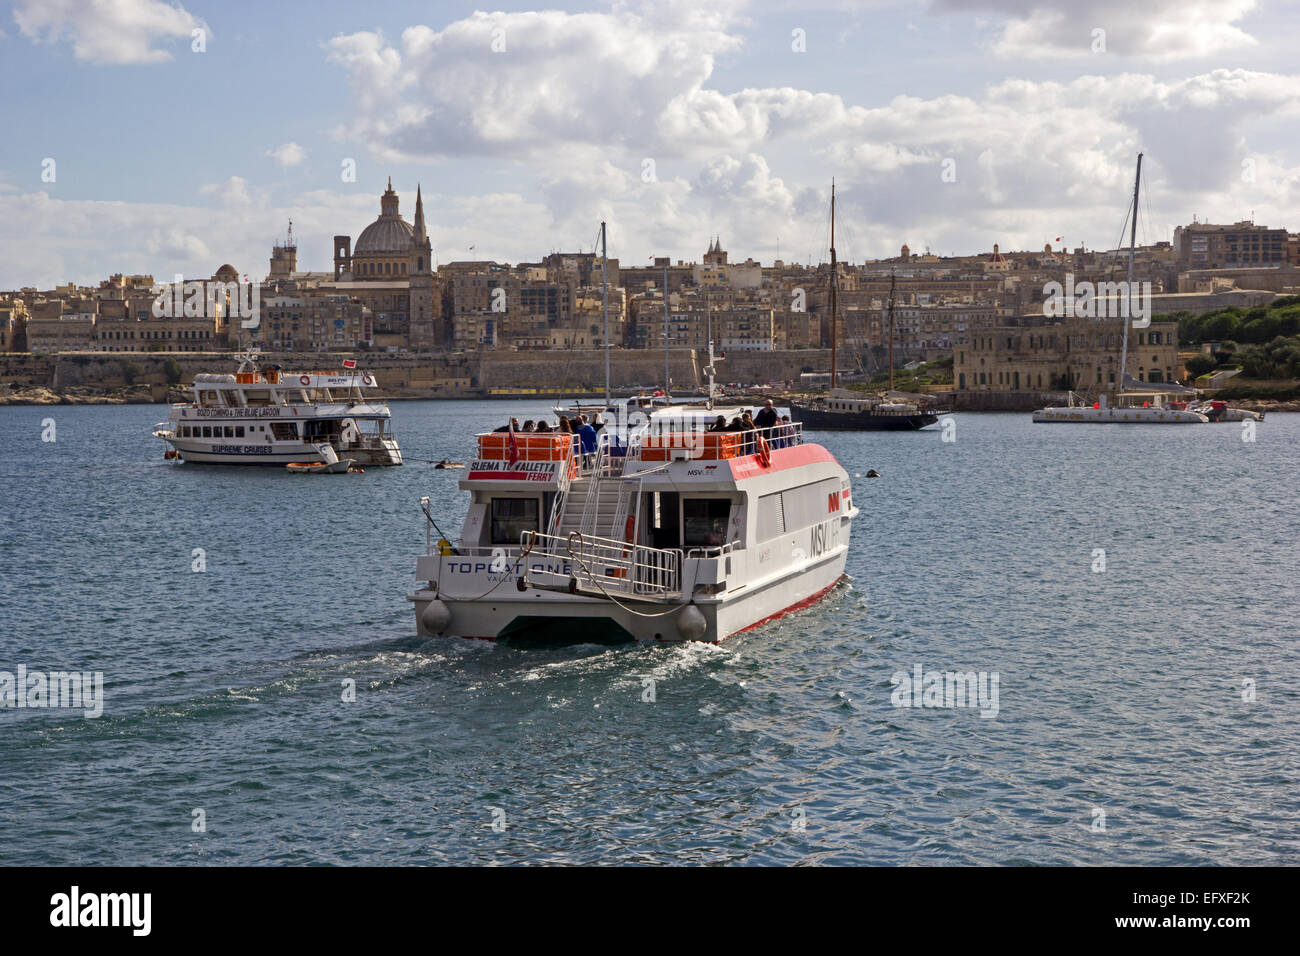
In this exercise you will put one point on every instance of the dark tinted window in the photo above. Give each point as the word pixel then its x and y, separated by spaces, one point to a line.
pixel 511 517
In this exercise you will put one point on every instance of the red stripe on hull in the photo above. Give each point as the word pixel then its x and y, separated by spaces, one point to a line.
pixel 797 606
pixel 782 459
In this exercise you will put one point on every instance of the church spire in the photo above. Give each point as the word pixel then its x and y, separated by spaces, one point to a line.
pixel 420 233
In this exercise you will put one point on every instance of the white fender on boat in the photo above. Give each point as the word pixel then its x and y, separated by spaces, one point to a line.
pixel 691 623
pixel 435 617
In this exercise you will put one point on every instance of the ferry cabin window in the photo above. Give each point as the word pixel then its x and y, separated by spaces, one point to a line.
pixel 511 517
pixel 704 521
pixel 207 431
pixel 284 431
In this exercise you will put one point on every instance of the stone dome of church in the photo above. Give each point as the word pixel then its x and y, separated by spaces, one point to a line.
pixel 390 233
pixel 385 235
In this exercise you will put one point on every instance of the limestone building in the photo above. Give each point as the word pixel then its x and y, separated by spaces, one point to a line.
pixel 1073 353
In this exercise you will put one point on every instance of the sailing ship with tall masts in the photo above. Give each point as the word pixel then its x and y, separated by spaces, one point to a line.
pixel 856 411
pixel 1132 402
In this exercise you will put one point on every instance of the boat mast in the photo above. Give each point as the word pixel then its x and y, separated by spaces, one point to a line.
pixel 891 330
pixel 1128 286
pixel 604 302
pixel 668 382
pixel 708 336
pixel 834 284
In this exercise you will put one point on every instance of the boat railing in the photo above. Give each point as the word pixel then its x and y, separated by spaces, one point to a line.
pixel 364 440
pixel 713 551
pixel 666 445
pixel 607 565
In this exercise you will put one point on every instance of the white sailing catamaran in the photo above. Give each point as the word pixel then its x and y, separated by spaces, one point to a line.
pixel 1133 402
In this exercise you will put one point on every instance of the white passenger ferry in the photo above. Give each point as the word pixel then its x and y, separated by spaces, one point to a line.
pixel 272 417
pixel 666 532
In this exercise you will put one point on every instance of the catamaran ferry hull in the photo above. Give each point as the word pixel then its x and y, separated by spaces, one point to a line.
pixel 593 618
pixel 675 533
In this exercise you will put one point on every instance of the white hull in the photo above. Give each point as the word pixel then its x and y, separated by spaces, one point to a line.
pixel 595 618
pixel 1132 416
pixel 277 454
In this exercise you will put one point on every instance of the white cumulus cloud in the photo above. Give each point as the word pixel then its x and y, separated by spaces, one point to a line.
pixel 288 154
pixel 113 32
pixel 1158 30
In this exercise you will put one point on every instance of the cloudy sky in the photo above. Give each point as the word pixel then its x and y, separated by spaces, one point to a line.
pixel 145 136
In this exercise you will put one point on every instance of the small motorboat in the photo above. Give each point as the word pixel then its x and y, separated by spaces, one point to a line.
pixel 449 464
pixel 340 467
pixel 330 463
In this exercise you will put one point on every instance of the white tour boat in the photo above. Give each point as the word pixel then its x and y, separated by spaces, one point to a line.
pixel 272 417
pixel 667 532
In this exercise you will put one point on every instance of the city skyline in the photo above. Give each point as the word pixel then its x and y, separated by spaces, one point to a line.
pixel 948 126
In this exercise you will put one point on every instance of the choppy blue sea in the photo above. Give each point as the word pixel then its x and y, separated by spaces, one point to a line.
pixel 1147 713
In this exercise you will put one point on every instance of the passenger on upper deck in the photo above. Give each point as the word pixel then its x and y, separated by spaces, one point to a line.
pixel 587 438
pixel 719 424
pixel 514 423
pixel 565 426
pixel 766 417
pixel 785 433
pixel 528 426
pixel 747 427
pixel 542 427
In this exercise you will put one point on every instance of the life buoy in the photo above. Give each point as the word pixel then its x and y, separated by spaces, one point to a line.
pixel 304 379
pixel 764 453
pixel 367 380
pixel 629 528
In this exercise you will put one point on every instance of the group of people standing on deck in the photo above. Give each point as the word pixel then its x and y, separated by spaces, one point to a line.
pixel 579 426
pixel 777 430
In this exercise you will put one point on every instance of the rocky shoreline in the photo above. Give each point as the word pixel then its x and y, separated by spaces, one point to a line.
pixel 1264 404
pixel 77 395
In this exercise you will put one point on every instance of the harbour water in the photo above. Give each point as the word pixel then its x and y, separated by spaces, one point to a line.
pixel 1146 710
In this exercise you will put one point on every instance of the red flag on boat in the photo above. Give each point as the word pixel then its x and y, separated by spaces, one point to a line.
pixel 514 443
pixel 349 363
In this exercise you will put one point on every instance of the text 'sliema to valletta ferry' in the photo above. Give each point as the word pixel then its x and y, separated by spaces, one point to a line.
pixel 666 532
pixel 272 417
